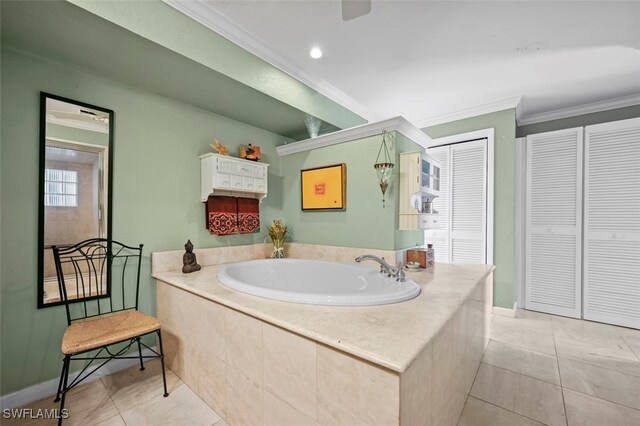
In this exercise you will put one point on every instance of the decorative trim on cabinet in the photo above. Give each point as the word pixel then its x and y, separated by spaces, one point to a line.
pixel 230 176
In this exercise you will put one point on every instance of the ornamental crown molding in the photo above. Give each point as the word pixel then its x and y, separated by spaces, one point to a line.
pixel 398 123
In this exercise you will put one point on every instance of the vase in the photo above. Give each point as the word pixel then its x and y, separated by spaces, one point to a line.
pixel 277 253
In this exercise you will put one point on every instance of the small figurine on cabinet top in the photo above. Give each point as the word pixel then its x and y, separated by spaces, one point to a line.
pixel 189 259
pixel 221 149
pixel 250 152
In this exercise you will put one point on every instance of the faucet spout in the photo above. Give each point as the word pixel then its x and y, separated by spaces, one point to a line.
pixel 396 272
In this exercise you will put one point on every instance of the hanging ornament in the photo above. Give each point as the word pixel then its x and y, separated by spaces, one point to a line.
pixel 383 165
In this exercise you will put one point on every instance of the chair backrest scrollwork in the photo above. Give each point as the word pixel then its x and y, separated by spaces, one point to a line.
pixel 97 276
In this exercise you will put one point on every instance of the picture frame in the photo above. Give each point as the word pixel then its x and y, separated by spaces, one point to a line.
pixel 324 188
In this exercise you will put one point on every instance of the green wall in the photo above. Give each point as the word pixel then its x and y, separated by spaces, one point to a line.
pixel 66 133
pixel 364 223
pixel 167 27
pixel 580 120
pixel 504 123
pixel 156 187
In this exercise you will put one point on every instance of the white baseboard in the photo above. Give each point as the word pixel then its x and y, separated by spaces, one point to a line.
pixel 50 387
pixel 506 312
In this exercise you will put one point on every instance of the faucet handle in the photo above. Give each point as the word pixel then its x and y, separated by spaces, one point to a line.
pixel 400 275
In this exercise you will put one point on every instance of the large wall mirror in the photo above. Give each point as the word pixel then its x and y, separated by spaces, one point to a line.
pixel 76 163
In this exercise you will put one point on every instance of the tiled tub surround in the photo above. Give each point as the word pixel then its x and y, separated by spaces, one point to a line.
pixel 172 260
pixel 260 361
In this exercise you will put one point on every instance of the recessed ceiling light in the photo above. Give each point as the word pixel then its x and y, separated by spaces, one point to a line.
pixel 315 53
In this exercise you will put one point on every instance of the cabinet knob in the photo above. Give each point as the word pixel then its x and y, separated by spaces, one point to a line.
pixel 618 236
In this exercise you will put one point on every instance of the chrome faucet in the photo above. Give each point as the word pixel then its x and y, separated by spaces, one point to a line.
pixel 385 268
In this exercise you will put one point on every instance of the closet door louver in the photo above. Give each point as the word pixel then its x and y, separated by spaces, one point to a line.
pixel 468 202
pixel 440 237
pixel 612 223
pixel 554 211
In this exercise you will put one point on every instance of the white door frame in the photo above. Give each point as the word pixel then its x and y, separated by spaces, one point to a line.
pixel 489 134
pixel 521 208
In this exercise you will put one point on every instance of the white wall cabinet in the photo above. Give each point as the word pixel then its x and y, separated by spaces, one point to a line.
pixel 419 182
pixel 463 203
pixel 441 238
pixel 224 175
pixel 585 268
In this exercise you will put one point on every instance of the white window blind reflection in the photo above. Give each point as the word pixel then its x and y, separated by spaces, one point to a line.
pixel 60 188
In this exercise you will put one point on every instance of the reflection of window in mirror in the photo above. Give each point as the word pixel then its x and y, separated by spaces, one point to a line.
pixel 75 194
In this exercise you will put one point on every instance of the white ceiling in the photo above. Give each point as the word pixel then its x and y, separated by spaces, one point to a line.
pixel 74 116
pixel 426 59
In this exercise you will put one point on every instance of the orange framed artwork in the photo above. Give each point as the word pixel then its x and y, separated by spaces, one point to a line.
pixel 324 188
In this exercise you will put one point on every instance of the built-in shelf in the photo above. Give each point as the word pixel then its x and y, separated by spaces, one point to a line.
pixel 398 123
pixel 224 175
pixel 419 185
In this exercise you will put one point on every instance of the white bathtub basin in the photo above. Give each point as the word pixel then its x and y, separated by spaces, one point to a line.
pixel 316 282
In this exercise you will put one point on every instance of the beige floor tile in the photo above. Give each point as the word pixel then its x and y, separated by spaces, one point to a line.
pixel 622 365
pixel 598 346
pixel 524 332
pixel 524 361
pixel 180 408
pixel 113 421
pixel 585 410
pixel 88 404
pixel 577 329
pixel 132 386
pixel 600 382
pixel 632 338
pixel 533 315
pixel 524 395
pixel 480 413
pixel 584 338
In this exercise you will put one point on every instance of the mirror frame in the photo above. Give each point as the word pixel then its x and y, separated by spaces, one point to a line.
pixel 41 208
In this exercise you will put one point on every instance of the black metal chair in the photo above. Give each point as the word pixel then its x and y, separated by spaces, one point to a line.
pixel 105 313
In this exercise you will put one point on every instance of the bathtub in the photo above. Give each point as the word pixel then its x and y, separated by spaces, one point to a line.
pixel 316 282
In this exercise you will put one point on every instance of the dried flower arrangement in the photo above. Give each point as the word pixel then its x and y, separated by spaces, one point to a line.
pixel 277 233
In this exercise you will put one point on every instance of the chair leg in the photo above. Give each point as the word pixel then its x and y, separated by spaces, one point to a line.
pixel 65 369
pixel 140 353
pixel 164 377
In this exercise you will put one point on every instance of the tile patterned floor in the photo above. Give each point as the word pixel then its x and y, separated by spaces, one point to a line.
pixel 130 397
pixel 537 370
pixel 550 370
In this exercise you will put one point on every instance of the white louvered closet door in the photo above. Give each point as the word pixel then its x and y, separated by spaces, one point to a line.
pixel 612 223
pixel 553 222
pixel 468 180
pixel 440 237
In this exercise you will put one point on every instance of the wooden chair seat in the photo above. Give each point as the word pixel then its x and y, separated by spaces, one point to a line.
pixel 94 333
